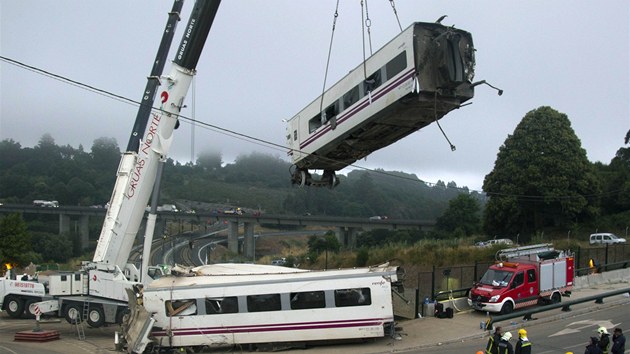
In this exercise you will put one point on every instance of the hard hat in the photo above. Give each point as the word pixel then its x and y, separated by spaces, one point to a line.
pixel 602 330
pixel 507 336
pixel 522 332
pixel 479 352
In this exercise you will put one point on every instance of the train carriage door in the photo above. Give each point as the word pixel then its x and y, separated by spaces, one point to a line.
pixel 293 135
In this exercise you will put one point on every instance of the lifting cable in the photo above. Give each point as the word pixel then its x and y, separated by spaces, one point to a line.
pixel 332 35
pixel 391 2
pixel 366 23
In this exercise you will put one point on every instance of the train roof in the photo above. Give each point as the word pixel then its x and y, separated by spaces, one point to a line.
pixel 243 274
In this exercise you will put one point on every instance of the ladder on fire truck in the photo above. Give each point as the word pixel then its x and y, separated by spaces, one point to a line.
pixel 508 253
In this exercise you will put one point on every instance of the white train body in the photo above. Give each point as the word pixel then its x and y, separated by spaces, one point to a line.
pixel 244 303
pixel 415 79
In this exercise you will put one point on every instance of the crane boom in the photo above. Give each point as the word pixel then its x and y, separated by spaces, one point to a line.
pixel 153 82
pixel 137 169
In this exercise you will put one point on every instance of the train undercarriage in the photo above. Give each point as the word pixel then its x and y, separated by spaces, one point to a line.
pixel 301 177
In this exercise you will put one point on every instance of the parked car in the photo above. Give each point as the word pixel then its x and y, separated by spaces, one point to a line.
pixel 605 238
pixel 279 261
pixel 378 217
pixel 237 211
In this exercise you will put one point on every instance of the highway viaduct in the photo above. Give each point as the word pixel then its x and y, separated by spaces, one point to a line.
pixel 347 229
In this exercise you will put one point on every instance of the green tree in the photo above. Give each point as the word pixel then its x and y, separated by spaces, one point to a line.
pixel 541 177
pixel 616 182
pixel 463 213
pixel 318 245
pixel 209 159
pixel 53 248
pixel 106 154
pixel 15 240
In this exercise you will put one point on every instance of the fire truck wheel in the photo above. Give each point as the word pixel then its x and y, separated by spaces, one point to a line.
pixel 29 307
pixel 507 308
pixel 96 317
pixel 72 313
pixel 556 298
pixel 14 306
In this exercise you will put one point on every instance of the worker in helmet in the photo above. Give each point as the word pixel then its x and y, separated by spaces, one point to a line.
pixel 493 341
pixel 604 339
pixel 523 345
pixel 505 347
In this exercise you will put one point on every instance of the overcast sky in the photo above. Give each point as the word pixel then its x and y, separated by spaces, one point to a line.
pixel 265 60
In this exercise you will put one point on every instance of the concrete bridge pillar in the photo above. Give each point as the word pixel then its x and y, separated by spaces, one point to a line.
pixel 64 224
pixel 84 231
pixel 347 236
pixel 233 236
pixel 249 246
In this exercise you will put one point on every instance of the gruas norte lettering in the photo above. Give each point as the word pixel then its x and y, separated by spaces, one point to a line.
pixel 135 178
pixel 136 174
pixel 182 48
pixel 148 140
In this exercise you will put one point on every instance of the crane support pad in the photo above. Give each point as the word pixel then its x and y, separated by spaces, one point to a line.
pixel 33 336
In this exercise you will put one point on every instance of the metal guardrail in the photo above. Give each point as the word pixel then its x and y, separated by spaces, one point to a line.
pixel 526 314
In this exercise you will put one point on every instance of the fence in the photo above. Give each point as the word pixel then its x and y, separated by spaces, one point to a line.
pixel 606 257
pixel 446 279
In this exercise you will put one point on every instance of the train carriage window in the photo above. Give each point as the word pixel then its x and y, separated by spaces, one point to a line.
pixel 180 307
pixel 267 302
pixel 353 297
pixel 330 112
pixel 350 97
pixel 314 123
pixel 223 305
pixel 295 134
pixel 396 65
pixel 372 82
pixel 308 300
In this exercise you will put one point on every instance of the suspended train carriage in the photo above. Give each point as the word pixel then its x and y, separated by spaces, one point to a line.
pixel 415 79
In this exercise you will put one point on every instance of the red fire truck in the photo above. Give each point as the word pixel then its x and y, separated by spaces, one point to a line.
pixel 524 276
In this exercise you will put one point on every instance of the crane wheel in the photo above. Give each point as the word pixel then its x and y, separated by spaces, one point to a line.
pixel 72 313
pixel 14 306
pixel 96 316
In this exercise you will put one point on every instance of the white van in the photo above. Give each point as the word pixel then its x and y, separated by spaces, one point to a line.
pixel 605 238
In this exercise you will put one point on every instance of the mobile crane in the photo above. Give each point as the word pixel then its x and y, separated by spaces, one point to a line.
pixel 97 292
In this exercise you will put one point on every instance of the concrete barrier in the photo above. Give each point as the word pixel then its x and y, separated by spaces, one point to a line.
pixel 611 277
